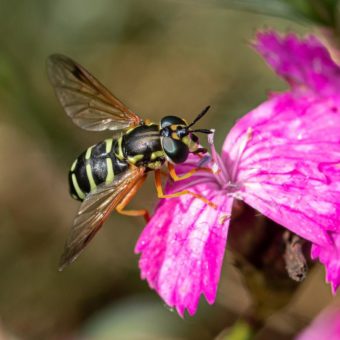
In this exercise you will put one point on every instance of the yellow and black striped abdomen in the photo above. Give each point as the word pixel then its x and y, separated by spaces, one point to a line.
pixel 95 166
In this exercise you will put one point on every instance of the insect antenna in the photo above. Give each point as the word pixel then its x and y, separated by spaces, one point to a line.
pixel 199 117
pixel 202 131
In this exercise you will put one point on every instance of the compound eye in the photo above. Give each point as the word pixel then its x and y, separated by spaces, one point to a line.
pixel 171 120
pixel 175 150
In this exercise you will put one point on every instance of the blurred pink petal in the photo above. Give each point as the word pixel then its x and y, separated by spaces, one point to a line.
pixel 325 326
pixel 182 248
pixel 304 63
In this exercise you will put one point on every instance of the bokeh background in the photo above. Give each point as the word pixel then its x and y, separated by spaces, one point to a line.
pixel 160 57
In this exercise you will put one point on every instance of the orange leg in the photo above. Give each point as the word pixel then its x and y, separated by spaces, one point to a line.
pixel 164 174
pixel 126 200
pixel 176 177
pixel 160 193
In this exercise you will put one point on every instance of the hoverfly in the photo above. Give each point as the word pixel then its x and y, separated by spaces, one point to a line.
pixel 107 175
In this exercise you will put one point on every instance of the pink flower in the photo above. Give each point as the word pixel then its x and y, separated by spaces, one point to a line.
pixel 282 158
pixel 325 326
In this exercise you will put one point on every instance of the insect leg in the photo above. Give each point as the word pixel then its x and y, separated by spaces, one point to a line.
pixel 164 174
pixel 161 194
pixel 126 200
pixel 176 177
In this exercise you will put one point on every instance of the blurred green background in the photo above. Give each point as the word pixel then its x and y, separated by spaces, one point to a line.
pixel 160 57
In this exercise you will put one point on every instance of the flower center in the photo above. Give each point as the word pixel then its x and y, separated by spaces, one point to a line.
pixel 222 175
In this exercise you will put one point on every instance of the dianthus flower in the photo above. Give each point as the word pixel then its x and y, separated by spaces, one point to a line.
pixel 282 158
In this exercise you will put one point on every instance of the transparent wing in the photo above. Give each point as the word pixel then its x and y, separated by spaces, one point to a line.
pixel 94 211
pixel 90 105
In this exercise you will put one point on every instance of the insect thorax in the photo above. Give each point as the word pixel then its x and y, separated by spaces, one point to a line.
pixel 95 166
pixel 141 146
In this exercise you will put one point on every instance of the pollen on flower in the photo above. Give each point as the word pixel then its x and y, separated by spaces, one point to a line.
pixel 215 168
pixel 249 133
pixel 223 218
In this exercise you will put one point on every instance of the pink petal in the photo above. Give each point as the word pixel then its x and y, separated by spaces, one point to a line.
pixel 325 326
pixel 285 154
pixel 330 257
pixel 288 168
pixel 304 63
pixel 182 248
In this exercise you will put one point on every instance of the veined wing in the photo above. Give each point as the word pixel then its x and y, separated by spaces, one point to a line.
pixel 95 210
pixel 90 105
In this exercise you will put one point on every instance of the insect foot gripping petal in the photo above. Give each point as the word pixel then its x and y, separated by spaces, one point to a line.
pixel 187 175
pixel 161 194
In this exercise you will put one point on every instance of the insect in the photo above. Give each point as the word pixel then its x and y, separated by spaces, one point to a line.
pixel 107 175
pixel 296 263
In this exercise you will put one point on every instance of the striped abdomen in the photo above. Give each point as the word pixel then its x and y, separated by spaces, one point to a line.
pixel 97 165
